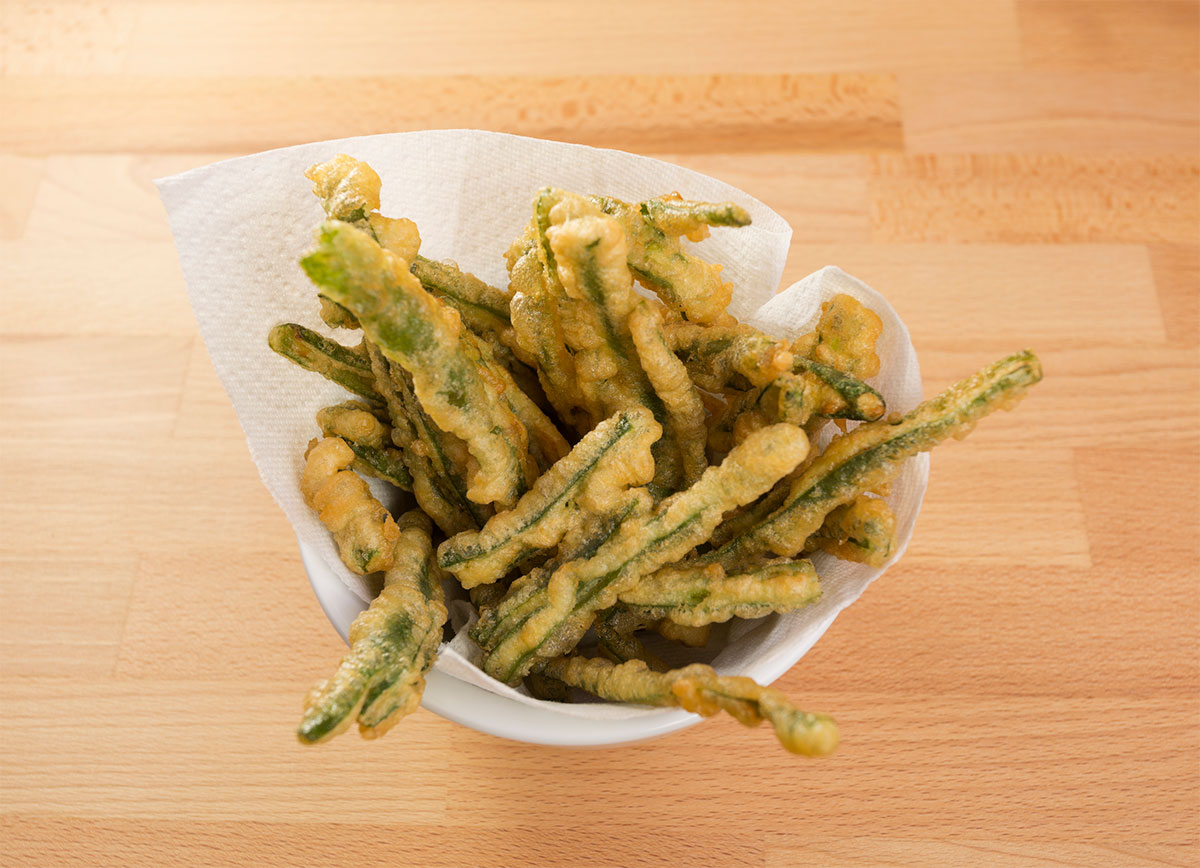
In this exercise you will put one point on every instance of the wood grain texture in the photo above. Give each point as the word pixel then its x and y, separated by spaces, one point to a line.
pixel 1023 689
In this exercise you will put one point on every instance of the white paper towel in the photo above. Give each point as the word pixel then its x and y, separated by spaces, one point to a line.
pixel 240 227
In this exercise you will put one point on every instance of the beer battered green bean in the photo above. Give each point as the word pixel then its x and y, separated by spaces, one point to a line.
pixel 608 460
pixel 863 530
pixel 362 528
pixel 616 638
pixel 537 326
pixel 845 338
pixel 697 688
pixel 587 249
pixel 690 637
pixel 564 608
pixel 439 484
pixel 703 594
pixel 873 454
pixel 687 285
pixel 369 439
pixel 392 645
pixel 347 367
pixel 415 330
pixel 728 354
pixel 483 308
pixel 684 410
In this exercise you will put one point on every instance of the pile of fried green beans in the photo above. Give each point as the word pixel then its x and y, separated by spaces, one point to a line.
pixel 592 467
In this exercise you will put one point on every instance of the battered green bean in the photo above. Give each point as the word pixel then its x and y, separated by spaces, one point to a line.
pixel 609 459
pixel 483 308
pixel 703 594
pixel 415 330
pixel 687 285
pixel 537 326
pixel 566 605
pixel 349 368
pixel 690 637
pixel 684 410
pixel 728 354
pixel 587 251
pixel 697 688
pixel 439 484
pixel 369 439
pixel 863 530
pixel 362 528
pixel 392 645
pixel 845 338
pixel 616 638
pixel 873 454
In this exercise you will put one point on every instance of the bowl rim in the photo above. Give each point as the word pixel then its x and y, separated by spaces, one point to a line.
pixel 480 710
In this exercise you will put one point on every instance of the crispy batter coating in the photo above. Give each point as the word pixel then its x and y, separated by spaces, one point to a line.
pixel 697 688
pixel 369 438
pixel 392 645
pixel 426 338
pixel 612 457
pixel 863 530
pixel 362 528
pixel 687 285
pixel 693 596
pixel 728 353
pixel 873 454
pixel 439 484
pixel 668 376
pixel 565 607
pixel 845 338
pixel 690 637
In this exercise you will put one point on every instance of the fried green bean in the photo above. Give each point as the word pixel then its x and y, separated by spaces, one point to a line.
pixel 349 191
pixel 439 484
pixel 616 638
pixel 370 440
pixel 684 410
pixel 693 596
pixel 690 637
pixel 686 284
pixel 362 528
pixel 547 689
pixel 339 364
pixel 537 326
pixel 728 354
pixel 587 250
pixel 393 643
pixel 546 443
pixel 844 338
pixel 415 330
pixel 839 395
pixel 863 530
pixel 525 595
pixel 872 455
pixel 483 308
pixel 612 457
pixel 565 606
pixel 699 689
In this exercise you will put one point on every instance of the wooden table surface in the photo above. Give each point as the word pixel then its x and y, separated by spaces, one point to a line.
pixel 1023 689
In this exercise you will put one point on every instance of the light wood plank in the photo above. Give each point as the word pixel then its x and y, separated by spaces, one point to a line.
pixel 518 38
pixel 817 112
pixel 1110 34
pixel 1040 198
pixel 1100 111
pixel 50 628
pixel 123 387
pixel 19 178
